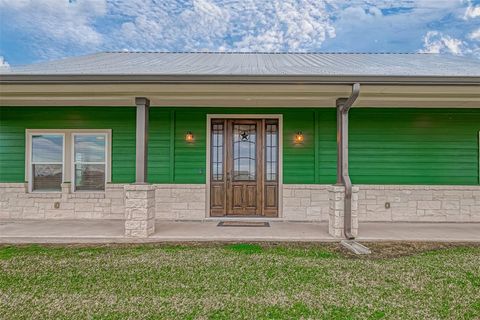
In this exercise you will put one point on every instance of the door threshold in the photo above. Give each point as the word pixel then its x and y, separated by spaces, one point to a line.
pixel 245 218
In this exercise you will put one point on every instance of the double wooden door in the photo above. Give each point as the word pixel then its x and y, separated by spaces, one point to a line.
pixel 244 167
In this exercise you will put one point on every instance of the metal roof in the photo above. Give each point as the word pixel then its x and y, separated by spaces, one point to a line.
pixel 280 65
pixel 386 64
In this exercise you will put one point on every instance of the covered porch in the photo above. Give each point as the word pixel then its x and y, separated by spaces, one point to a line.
pixel 112 231
pixel 158 178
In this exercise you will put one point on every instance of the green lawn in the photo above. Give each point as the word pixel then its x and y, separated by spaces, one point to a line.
pixel 240 281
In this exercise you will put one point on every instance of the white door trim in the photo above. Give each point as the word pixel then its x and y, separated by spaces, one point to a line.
pixel 279 117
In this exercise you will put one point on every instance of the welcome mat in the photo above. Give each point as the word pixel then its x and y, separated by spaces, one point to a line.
pixel 243 224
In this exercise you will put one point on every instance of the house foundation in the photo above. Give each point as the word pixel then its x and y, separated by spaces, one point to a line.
pixel 417 203
pixel 140 205
pixel 17 203
pixel 306 202
pixel 180 201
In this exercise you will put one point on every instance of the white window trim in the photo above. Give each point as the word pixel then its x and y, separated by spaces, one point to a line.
pixel 30 163
pixel 73 162
pixel 67 172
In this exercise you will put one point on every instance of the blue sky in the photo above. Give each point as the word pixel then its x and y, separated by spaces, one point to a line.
pixel 39 30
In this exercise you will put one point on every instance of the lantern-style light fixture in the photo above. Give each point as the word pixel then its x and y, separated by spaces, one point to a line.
pixel 299 138
pixel 189 137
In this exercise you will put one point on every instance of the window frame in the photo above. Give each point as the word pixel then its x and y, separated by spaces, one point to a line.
pixel 222 154
pixel 68 174
pixel 31 163
pixel 73 162
pixel 274 122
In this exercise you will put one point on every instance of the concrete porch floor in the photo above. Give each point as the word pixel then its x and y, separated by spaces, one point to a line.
pixel 111 231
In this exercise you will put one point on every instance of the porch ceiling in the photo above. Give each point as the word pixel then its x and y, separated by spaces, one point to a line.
pixel 239 95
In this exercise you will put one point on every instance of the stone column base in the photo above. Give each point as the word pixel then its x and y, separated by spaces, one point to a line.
pixel 66 188
pixel 336 212
pixel 139 210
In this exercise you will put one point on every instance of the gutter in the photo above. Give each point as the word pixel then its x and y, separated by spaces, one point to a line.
pixel 12 78
pixel 343 176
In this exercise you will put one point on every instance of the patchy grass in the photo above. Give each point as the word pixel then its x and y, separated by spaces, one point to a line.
pixel 240 281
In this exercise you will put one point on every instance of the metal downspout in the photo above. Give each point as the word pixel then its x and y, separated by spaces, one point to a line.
pixel 343 177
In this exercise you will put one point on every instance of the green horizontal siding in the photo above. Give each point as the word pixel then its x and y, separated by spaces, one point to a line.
pixel 159 138
pixel 169 153
pixel 327 146
pixel 14 121
pixel 387 146
pixel 414 146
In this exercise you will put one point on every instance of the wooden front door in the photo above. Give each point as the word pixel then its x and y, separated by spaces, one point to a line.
pixel 244 167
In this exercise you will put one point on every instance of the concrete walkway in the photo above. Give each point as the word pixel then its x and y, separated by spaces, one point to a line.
pixel 403 231
pixel 111 231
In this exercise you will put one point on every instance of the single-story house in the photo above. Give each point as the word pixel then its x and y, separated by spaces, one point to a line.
pixel 334 137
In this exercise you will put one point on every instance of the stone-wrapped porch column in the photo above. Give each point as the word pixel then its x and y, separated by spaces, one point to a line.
pixel 139 210
pixel 140 197
pixel 336 213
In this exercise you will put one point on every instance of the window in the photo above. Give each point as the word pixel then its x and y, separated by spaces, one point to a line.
pixel 217 151
pixel 244 152
pixel 271 150
pixel 81 157
pixel 89 161
pixel 47 162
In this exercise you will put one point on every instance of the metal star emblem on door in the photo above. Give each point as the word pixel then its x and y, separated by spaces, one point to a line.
pixel 244 136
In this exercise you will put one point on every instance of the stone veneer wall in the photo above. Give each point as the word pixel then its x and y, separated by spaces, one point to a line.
pixel 180 201
pixel 188 202
pixel 419 203
pixel 300 203
pixel 17 203
pixel 306 202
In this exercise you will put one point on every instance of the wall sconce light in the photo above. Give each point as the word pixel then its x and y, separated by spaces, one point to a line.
pixel 299 137
pixel 189 137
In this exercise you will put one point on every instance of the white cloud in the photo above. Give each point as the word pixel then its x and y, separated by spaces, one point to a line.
pixel 437 42
pixel 247 25
pixel 286 25
pixel 387 26
pixel 3 62
pixel 475 35
pixel 472 11
pixel 54 26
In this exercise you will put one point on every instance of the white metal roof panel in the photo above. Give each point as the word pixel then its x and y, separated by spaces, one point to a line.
pixel 255 64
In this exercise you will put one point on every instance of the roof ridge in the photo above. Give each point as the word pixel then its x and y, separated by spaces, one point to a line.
pixel 267 52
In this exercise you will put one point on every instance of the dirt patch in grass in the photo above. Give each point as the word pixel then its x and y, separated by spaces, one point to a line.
pixel 406 248
pixel 380 249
